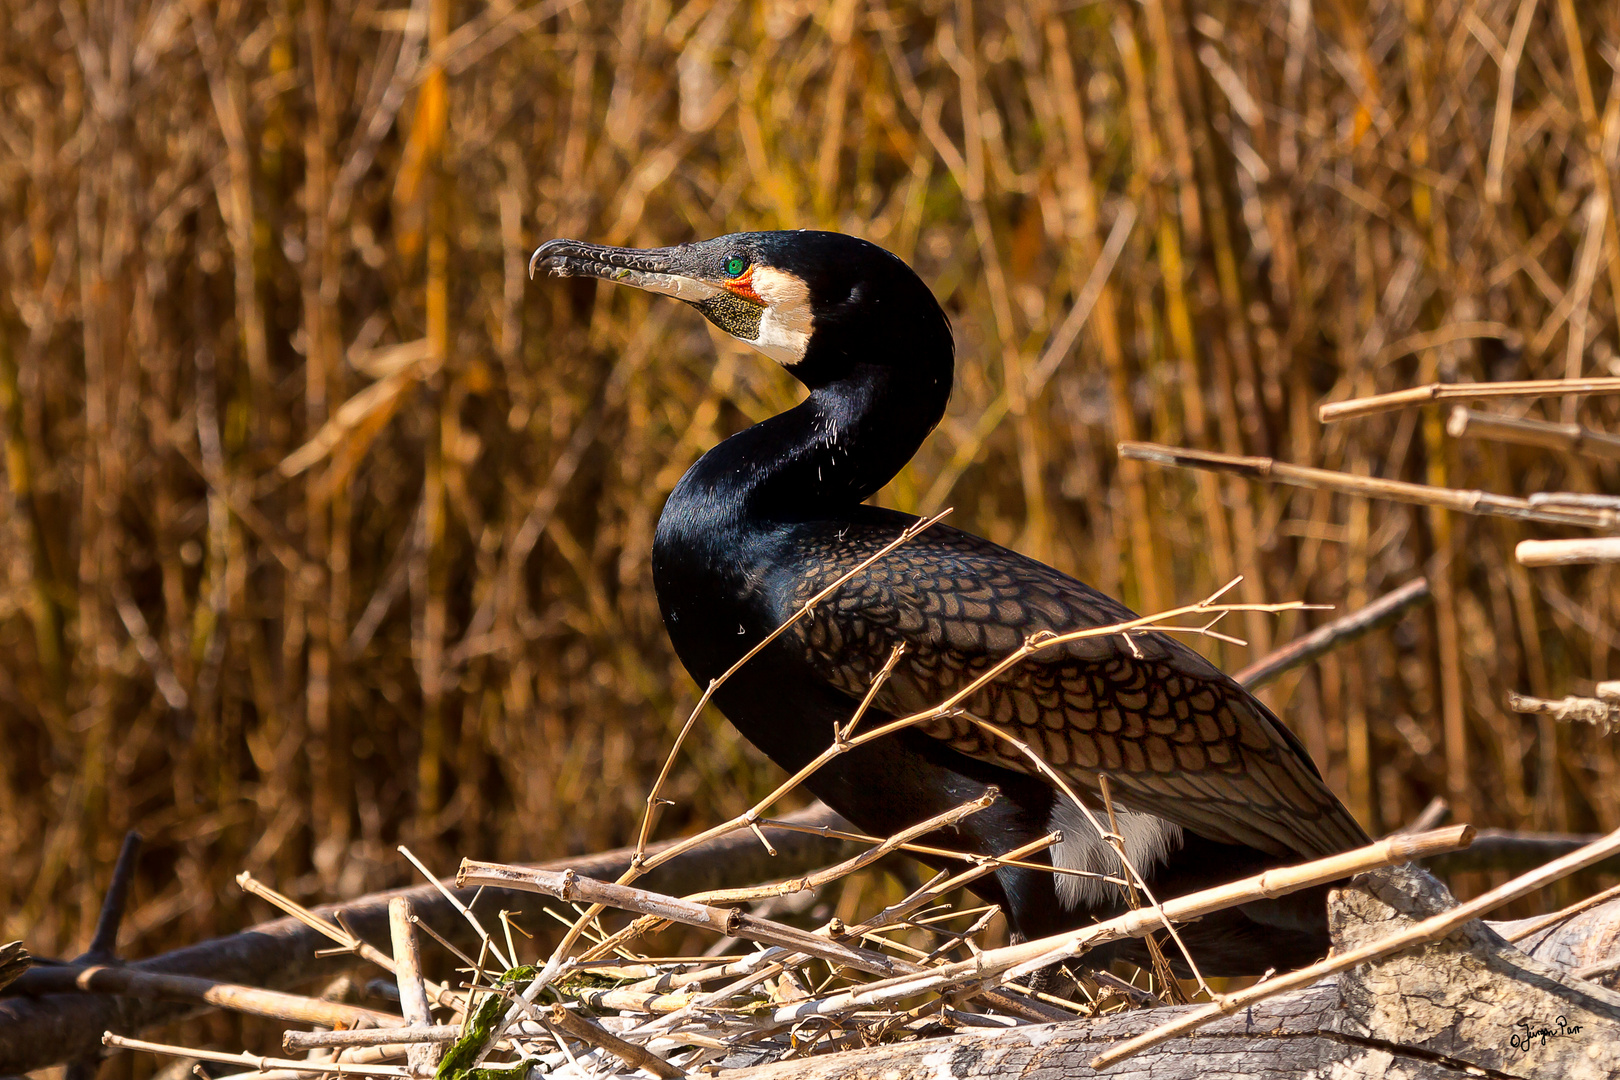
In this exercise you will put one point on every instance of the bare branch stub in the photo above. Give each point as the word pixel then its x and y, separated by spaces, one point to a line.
pixel 104 943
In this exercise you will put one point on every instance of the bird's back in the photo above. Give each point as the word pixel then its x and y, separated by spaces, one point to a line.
pixel 1177 738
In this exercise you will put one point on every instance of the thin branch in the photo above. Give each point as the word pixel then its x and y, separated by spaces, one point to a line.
pixel 104 943
pixel 1324 639
pixel 347 941
pixel 637 1057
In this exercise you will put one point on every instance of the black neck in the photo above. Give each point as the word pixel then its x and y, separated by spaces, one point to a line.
pixel 829 453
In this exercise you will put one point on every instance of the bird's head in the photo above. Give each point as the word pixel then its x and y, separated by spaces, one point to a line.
pixel 818 303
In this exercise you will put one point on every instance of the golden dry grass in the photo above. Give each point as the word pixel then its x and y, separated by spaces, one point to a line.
pixel 325 529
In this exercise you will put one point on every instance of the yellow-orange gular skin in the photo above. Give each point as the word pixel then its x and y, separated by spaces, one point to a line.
pixel 743 285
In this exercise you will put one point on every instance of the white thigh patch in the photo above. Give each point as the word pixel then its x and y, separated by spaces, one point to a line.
pixel 1148 840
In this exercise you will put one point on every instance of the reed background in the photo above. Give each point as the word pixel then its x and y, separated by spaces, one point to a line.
pixel 325 529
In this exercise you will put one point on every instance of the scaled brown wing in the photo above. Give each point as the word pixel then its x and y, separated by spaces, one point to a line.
pixel 1177 738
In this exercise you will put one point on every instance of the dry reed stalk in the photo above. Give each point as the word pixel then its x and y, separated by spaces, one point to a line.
pixel 394 1036
pixel 346 941
pixel 258 1061
pixel 97 979
pixel 1324 639
pixel 413 994
pixel 901 841
pixel 1535 926
pixel 1526 432
pixel 728 922
pixel 1468 502
pixel 1422 395
pixel 636 1057
pixel 1432 929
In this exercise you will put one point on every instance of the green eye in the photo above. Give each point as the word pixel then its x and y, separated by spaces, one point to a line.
pixel 735 265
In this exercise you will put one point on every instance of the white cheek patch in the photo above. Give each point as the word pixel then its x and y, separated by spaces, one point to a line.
pixel 786 323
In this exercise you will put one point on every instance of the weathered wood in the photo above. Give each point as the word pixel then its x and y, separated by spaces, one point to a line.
pixel 1442 1012
pixel 38 1032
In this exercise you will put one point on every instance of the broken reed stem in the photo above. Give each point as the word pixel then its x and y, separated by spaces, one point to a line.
pixel 1603 549
pixel 1602 711
pixel 761 966
pixel 637 1057
pixel 1535 926
pixel 1422 395
pixel 413 998
pixel 1324 639
pixel 898 841
pixel 104 943
pixel 131 982
pixel 727 922
pixel 1568 438
pixel 391 1036
pixel 1483 503
pixel 439 992
pixel 257 1061
pixel 997 861
pixel 1429 930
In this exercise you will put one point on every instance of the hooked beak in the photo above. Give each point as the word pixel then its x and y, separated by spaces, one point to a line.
pixel 659 270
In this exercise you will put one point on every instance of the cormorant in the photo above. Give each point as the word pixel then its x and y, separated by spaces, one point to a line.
pixel 1213 786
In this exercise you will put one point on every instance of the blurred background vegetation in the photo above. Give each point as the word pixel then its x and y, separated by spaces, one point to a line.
pixel 324 529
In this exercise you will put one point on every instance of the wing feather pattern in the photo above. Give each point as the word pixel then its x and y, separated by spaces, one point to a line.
pixel 1177 738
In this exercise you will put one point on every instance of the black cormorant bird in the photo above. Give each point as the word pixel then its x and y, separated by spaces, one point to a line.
pixel 1213 785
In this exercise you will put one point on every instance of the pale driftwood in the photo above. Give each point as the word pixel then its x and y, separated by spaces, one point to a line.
pixel 38 1032
pixel 1445 1012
